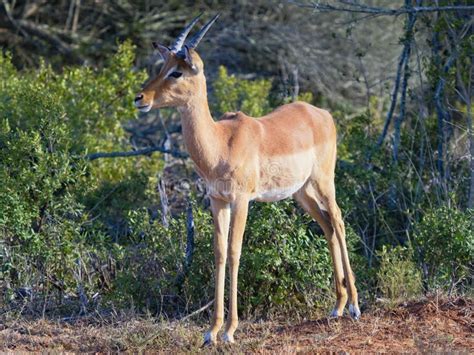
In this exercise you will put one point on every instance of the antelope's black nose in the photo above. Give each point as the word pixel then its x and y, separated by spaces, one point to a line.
pixel 138 97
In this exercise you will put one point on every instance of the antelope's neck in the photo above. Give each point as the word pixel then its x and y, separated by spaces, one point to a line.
pixel 200 134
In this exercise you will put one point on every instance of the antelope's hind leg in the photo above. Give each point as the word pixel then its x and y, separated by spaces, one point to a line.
pixel 308 200
pixel 327 191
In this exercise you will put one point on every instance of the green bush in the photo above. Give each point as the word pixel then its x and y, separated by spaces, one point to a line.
pixel 54 228
pixel 445 241
pixel 284 265
pixel 234 94
pixel 151 272
pixel 398 277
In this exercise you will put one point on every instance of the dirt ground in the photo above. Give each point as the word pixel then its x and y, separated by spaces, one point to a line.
pixel 425 326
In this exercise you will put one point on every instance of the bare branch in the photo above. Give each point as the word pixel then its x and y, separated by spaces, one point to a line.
pixel 189 237
pixel 466 97
pixel 353 7
pixel 296 85
pixel 403 59
pixel 406 74
pixel 202 309
pixel 440 110
pixel 75 21
pixel 164 202
pixel 15 24
pixel 132 153
pixel 188 259
pixel 43 31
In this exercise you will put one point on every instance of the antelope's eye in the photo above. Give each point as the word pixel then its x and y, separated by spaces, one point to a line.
pixel 175 74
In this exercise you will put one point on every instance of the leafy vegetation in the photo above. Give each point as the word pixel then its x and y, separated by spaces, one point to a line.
pixel 398 277
pixel 52 234
pixel 87 234
pixel 445 238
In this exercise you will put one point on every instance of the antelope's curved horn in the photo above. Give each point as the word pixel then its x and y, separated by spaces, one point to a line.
pixel 193 42
pixel 176 47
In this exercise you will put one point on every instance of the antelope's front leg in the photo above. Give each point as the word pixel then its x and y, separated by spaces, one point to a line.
pixel 221 216
pixel 238 220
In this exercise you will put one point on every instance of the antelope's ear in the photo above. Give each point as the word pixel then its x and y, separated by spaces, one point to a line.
pixel 186 56
pixel 163 50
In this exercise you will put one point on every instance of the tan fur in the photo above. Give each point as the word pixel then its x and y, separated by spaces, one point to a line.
pixel 289 152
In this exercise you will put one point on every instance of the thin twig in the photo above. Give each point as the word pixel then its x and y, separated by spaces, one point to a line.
pixel 164 201
pixel 388 120
pixel 383 11
pixel 200 310
pixel 157 334
pixel 132 153
pixel 188 259
pixel 189 237
pixel 406 74
pixel 44 32
pixel 439 94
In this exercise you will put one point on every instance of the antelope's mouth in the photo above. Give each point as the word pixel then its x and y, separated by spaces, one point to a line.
pixel 143 108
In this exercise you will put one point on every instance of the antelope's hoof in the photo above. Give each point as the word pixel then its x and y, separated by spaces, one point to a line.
pixel 207 343
pixel 209 340
pixel 354 312
pixel 334 314
pixel 228 338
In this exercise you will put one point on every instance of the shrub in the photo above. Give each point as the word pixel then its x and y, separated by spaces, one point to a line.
pixel 40 220
pixel 151 272
pixel 53 233
pixel 445 241
pixel 398 277
pixel 284 265
pixel 234 94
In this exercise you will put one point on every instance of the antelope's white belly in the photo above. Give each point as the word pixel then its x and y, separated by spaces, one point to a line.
pixel 277 194
pixel 281 176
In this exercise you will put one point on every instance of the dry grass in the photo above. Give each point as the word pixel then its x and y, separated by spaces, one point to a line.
pixel 420 326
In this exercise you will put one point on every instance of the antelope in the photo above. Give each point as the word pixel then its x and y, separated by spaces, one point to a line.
pixel 291 152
